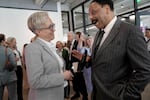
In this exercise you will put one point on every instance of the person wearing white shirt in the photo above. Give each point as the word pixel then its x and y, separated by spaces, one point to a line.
pixel 121 64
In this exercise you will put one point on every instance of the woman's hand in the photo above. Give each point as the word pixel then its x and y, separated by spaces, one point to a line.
pixel 68 75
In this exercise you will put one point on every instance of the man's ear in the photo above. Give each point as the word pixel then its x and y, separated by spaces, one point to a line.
pixel 107 8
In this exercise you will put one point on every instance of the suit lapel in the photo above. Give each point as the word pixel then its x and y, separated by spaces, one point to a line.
pixel 94 43
pixel 45 47
pixel 48 50
pixel 113 33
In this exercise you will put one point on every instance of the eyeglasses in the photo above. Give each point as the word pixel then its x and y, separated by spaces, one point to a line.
pixel 51 26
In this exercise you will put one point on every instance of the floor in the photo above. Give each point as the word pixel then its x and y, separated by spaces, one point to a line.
pixel 25 92
pixel 145 94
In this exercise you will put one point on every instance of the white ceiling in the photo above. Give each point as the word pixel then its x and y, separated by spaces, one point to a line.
pixel 127 5
pixel 122 6
pixel 45 4
pixel 67 1
pixel 52 5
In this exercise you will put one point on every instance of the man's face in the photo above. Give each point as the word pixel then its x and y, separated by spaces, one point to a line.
pixel 70 37
pixel 98 14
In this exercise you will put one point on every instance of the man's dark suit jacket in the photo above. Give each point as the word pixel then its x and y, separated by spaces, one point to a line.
pixel 65 55
pixel 121 67
pixel 74 47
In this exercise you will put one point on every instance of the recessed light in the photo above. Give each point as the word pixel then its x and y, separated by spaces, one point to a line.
pixel 122 6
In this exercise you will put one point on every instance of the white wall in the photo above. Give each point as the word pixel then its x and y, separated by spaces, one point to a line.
pixel 13 22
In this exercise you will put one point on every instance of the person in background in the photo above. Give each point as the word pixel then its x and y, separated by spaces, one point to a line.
pixel 64 53
pixel 66 46
pixel 44 66
pixel 7 78
pixel 87 50
pixel 120 59
pixel 23 56
pixel 19 72
pixel 79 85
pixel 25 79
pixel 147 34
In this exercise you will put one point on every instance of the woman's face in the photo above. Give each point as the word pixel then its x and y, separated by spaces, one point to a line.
pixel 47 33
pixel 13 43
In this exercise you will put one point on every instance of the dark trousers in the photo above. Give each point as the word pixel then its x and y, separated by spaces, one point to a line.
pixel 19 74
pixel 67 91
pixel 12 90
pixel 79 85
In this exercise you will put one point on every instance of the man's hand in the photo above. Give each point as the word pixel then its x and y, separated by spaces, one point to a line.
pixel 77 54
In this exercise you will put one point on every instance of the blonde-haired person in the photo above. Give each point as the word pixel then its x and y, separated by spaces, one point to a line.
pixel 12 43
pixel 44 66
pixel 87 51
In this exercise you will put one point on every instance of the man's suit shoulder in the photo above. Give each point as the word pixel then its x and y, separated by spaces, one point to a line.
pixel 126 25
pixel 130 28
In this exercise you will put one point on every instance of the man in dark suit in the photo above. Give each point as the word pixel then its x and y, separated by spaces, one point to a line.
pixel 121 62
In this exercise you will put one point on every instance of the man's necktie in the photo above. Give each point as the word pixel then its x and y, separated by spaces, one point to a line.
pixel 147 40
pixel 99 38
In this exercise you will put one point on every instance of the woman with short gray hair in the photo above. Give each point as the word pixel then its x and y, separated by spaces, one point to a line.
pixel 44 66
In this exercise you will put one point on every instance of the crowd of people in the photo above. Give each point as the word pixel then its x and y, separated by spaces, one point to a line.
pixel 113 65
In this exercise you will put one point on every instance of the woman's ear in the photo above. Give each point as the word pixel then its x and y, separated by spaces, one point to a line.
pixel 37 32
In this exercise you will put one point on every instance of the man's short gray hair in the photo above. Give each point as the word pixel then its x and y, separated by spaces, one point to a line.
pixel 72 33
pixel 37 20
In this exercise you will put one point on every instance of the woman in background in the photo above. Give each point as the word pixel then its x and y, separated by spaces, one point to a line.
pixel 87 66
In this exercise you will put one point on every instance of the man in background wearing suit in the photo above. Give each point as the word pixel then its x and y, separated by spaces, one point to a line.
pixel 121 62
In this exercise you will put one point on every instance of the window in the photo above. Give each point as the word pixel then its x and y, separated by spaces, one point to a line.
pixel 78 17
pixel 123 6
pixel 65 23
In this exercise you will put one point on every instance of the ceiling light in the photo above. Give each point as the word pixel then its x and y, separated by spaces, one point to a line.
pixel 132 17
pixel 122 6
pixel 138 1
pixel 123 19
pixel 40 3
